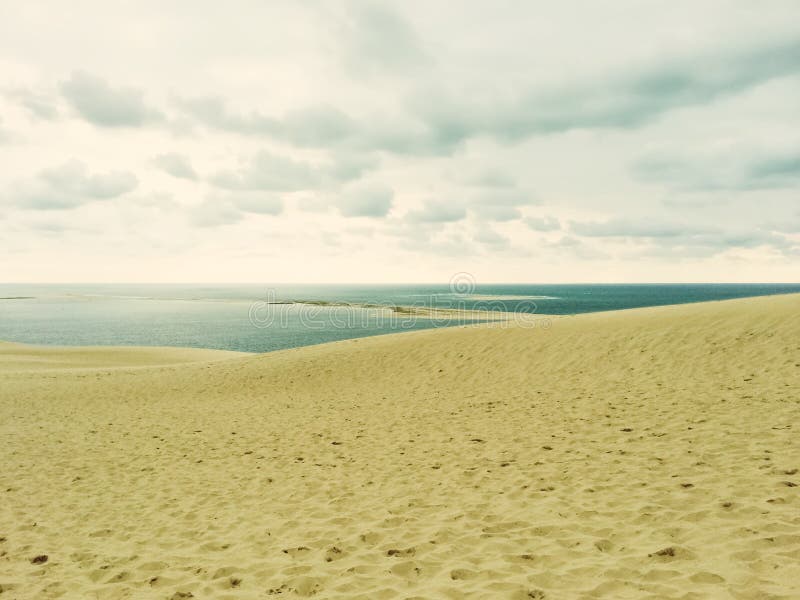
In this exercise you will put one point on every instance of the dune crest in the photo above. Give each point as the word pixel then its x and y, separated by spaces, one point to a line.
pixel 643 453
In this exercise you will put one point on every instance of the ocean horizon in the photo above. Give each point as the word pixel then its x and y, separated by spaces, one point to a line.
pixel 264 318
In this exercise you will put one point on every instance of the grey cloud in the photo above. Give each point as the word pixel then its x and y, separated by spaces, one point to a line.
pixel 380 40
pixel 176 165
pixel 438 121
pixel 494 178
pixel 543 223
pixel 501 204
pixel 625 100
pixel 313 126
pixel 777 169
pixel 371 200
pixel 683 238
pixel 567 241
pixel 403 135
pixel 70 185
pixel 724 171
pixel 230 207
pixel 789 224
pixel 267 171
pixel 625 228
pixel 215 212
pixel 753 239
pixel 349 167
pixel 669 169
pixel 437 212
pixel 316 125
pixel 213 112
pixel 99 103
pixel 712 244
pixel 321 127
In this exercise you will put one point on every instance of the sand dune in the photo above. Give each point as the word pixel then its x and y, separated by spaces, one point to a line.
pixel 21 357
pixel 650 453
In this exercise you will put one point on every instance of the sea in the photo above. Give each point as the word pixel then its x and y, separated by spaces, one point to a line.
pixel 263 318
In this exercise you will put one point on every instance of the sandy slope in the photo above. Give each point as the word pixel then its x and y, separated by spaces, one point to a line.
pixel 20 357
pixel 641 454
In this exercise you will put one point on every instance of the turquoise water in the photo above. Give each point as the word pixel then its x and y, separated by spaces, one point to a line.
pixel 249 317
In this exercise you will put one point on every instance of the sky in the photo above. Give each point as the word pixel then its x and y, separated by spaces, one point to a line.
pixel 387 142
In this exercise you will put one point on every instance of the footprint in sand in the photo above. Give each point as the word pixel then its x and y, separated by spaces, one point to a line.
pixel 306 586
pixel 407 552
pixel 406 569
pixel 672 553
pixel 333 553
pixel 603 545
pixel 370 538
pixel 457 574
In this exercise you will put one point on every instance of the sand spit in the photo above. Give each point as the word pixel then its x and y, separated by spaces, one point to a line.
pixel 410 311
pixel 649 453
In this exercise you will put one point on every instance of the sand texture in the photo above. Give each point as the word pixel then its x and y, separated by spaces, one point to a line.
pixel 649 453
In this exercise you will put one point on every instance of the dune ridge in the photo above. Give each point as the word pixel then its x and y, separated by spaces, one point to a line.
pixel 648 453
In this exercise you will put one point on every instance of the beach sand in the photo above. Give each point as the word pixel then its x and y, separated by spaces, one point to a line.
pixel 649 453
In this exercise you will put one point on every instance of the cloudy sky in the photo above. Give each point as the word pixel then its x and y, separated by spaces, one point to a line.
pixel 350 141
